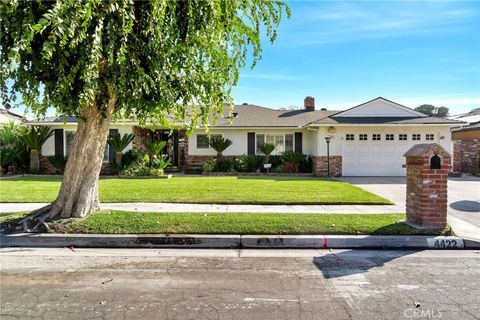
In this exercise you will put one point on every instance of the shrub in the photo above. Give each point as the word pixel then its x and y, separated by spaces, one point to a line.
pixel 277 169
pixel 58 162
pixel 254 163
pixel 289 167
pixel 291 161
pixel 144 166
pixel 223 165
pixel 306 166
pixel 276 161
pixel 241 163
pixel 209 166
pixel 129 157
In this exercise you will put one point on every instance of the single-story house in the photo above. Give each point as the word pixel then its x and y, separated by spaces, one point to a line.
pixel 7 116
pixel 366 140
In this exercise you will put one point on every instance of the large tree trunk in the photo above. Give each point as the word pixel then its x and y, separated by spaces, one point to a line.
pixel 79 191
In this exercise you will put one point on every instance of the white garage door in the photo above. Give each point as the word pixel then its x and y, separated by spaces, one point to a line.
pixel 367 154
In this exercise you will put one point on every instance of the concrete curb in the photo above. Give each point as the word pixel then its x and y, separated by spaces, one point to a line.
pixel 229 241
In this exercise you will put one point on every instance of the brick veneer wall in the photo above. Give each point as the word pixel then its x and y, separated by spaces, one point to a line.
pixel 426 201
pixel 142 134
pixel 466 156
pixel 320 166
pixel 199 160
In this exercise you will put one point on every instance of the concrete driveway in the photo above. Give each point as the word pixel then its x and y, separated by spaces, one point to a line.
pixel 463 199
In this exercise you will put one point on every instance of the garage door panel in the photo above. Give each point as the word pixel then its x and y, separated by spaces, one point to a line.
pixel 373 157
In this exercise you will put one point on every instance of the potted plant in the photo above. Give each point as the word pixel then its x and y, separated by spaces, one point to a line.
pixel 267 150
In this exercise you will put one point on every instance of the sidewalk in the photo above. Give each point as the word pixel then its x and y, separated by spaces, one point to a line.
pixel 202 208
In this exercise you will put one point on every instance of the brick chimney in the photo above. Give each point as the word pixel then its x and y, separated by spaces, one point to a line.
pixel 309 103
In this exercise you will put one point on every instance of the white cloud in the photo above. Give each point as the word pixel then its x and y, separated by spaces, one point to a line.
pixel 346 22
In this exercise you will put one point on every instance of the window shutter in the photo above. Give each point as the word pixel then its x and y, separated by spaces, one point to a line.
pixel 111 152
pixel 175 148
pixel 251 143
pixel 59 143
pixel 298 142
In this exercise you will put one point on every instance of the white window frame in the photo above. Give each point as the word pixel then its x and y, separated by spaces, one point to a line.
pixel 416 137
pixel 375 136
pixel 350 135
pixel 275 152
pixel 389 137
pixel 363 137
pixel 428 135
pixel 209 136
pixel 402 135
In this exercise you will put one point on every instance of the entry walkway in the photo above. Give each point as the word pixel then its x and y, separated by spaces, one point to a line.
pixel 203 208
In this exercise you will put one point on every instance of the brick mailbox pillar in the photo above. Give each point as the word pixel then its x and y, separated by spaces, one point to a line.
pixel 427 176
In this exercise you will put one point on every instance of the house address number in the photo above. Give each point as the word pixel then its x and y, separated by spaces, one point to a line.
pixel 445 243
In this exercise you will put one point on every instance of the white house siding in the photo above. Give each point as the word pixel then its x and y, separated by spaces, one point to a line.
pixel 48 149
pixel 240 143
pixel 371 158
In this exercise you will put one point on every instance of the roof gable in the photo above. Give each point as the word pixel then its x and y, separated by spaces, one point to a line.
pixel 380 107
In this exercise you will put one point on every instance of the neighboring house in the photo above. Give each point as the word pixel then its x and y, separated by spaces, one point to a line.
pixel 366 140
pixel 466 143
pixel 7 116
pixel 466 148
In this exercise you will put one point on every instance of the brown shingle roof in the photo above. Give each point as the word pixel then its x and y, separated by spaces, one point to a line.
pixel 255 116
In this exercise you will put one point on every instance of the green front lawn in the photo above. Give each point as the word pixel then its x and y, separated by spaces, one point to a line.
pixel 119 222
pixel 253 190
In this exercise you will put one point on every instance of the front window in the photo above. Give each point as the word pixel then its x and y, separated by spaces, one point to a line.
pixel 389 137
pixel 282 142
pixel 415 137
pixel 363 137
pixel 402 137
pixel 429 136
pixel 203 140
pixel 376 136
pixel 350 137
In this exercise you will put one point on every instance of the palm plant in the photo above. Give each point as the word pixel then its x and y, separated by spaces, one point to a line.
pixel 267 149
pixel 8 154
pixel 154 149
pixel 219 144
pixel 10 137
pixel 34 138
pixel 119 143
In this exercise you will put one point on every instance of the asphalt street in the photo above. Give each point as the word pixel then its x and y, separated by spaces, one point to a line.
pixel 238 284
